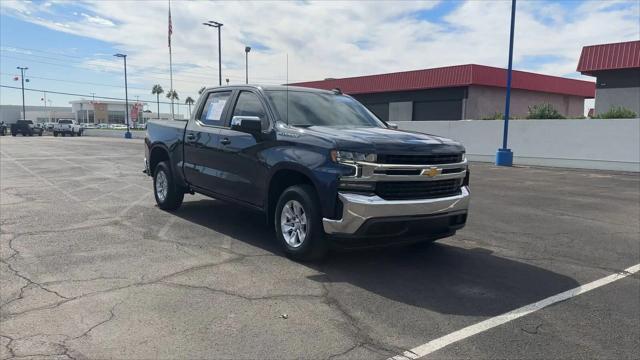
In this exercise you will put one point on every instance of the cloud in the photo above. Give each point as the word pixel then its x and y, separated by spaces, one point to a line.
pixel 98 20
pixel 334 39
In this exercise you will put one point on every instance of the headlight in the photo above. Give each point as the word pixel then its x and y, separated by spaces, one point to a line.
pixel 350 157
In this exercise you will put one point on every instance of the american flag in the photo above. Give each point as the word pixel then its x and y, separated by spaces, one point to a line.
pixel 170 26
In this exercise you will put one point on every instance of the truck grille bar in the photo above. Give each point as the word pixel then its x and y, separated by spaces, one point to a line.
pixel 403 190
pixel 433 159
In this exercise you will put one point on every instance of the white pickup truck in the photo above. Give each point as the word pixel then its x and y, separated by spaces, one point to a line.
pixel 67 126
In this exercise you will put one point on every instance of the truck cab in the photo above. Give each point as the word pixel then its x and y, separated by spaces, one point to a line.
pixel 323 169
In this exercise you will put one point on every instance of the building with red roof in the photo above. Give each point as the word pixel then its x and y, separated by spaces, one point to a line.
pixel 459 92
pixel 617 70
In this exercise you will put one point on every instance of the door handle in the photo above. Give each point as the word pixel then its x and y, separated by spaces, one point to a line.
pixel 191 137
pixel 225 141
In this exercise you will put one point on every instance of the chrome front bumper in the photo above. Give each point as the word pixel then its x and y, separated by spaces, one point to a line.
pixel 357 209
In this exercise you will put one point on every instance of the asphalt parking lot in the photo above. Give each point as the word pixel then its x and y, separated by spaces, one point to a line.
pixel 91 268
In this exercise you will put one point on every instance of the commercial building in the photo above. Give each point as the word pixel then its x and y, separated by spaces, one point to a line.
pixel 113 112
pixel 459 92
pixel 616 68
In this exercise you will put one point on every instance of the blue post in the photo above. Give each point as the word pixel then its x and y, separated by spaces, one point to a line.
pixel 504 156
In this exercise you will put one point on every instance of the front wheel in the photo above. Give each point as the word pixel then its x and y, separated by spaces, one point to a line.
pixel 168 195
pixel 299 224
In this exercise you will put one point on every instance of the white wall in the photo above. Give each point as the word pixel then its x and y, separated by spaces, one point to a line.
pixel 610 144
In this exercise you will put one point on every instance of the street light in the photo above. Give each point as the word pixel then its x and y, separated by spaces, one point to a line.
pixel 218 25
pixel 127 135
pixel 22 70
pixel 246 64
pixel 504 156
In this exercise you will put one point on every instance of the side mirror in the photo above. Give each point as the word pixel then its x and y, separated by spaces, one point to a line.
pixel 248 124
pixel 393 126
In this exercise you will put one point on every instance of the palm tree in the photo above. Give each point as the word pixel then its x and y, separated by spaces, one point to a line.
pixel 173 95
pixel 157 90
pixel 189 101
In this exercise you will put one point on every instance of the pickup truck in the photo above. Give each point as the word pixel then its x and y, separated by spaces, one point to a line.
pixel 67 126
pixel 25 127
pixel 324 170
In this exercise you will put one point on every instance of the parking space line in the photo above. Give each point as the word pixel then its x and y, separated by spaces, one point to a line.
pixel 485 325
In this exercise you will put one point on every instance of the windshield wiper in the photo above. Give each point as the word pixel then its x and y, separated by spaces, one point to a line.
pixel 302 125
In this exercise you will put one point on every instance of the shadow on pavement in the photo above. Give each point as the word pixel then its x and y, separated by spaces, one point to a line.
pixel 442 278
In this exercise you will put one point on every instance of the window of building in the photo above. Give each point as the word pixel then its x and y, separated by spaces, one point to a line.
pixel 116 117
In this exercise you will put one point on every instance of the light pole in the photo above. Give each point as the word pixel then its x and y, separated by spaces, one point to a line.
pixel 218 25
pixel 246 63
pixel 22 70
pixel 504 156
pixel 127 135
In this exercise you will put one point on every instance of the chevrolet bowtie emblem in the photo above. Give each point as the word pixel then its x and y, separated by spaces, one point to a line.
pixel 432 171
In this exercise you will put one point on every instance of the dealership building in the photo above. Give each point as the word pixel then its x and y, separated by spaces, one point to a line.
pixel 113 112
pixel 616 68
pixel 460 92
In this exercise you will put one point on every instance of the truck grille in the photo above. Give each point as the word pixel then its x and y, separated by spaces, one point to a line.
pixel 419 159
pixel 409 190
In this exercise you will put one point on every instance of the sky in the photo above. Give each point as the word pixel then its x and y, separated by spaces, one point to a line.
pixel 68 46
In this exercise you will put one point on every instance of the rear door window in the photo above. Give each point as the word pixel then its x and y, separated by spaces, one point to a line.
pixel 214 108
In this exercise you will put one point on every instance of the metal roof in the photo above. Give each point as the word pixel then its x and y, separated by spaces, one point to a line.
pixel 455 76
pixel 623 55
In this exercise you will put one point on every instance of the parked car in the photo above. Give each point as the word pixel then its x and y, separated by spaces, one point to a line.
pixel 118 126
pixel 102 126
pixel 88 126
pixel 321 167
pixel 67 127
pixel 3 128
pixel 49 126
pixel 25 127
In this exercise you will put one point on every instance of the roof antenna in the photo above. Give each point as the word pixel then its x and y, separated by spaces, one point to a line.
pixel 287 89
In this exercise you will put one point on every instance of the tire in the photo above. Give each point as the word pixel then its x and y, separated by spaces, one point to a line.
pixel 13 134
pixel 55 133
pixel 63 134
pixel 40 133
pixel 23 133
pixel 311 245
pixel 173 195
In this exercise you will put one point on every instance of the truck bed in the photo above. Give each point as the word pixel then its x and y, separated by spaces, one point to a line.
pixel 168 132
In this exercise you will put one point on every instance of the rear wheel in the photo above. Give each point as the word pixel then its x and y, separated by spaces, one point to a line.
pixel 55 133
pixel 168 195
pixel 299 224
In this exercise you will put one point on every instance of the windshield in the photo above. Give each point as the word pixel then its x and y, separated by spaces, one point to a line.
pixel 321 109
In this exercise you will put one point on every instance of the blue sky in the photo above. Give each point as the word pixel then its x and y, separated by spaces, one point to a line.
pixel 68 46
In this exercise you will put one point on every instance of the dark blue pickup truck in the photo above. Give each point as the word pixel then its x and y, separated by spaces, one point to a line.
pixel 324 170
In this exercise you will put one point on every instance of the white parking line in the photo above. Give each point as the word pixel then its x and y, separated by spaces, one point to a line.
pixel 485 325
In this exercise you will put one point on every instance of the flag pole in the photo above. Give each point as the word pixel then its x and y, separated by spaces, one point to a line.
pixel 171 63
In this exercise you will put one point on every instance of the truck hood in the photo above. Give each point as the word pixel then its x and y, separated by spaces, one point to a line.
pixel 384 141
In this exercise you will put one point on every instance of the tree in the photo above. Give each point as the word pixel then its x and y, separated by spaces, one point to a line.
pixel 173 95
pixel 189 101
pixel 157 90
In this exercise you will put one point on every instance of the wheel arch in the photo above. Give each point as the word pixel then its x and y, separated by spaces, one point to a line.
pixel 281 178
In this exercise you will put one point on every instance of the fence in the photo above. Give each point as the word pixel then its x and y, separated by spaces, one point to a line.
pixel 605 144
